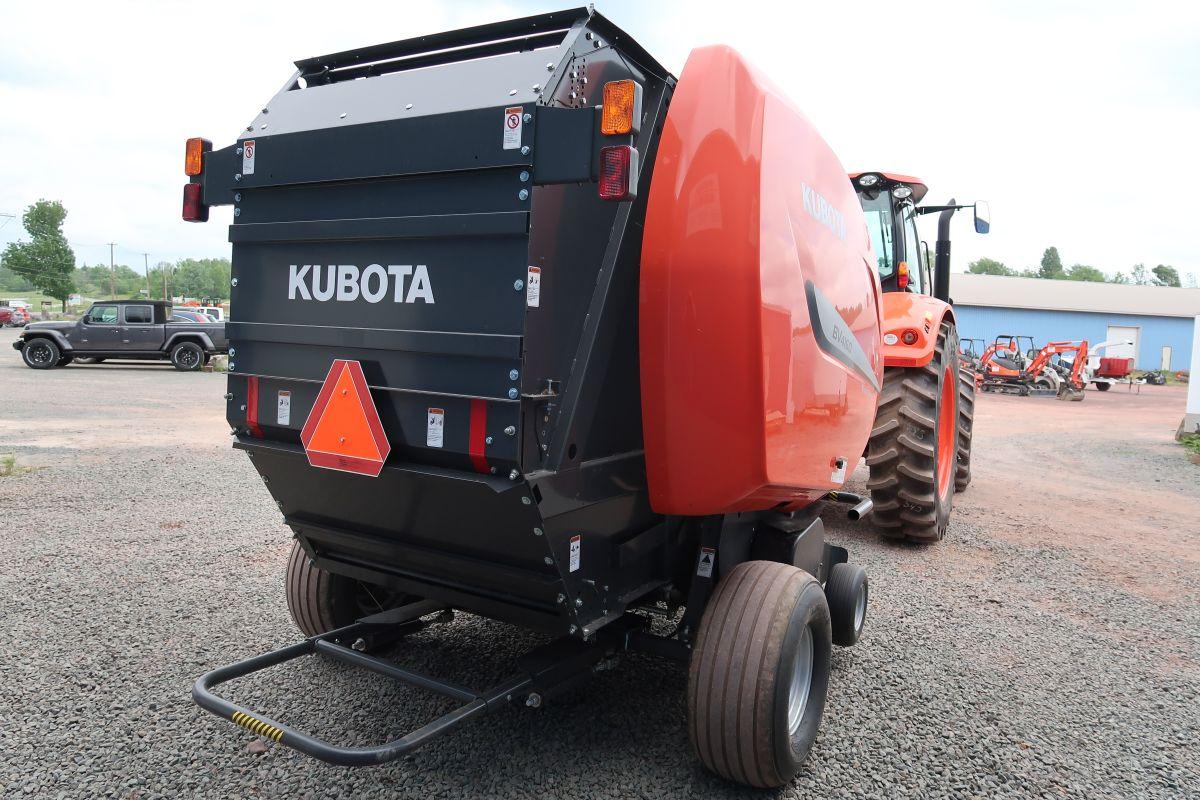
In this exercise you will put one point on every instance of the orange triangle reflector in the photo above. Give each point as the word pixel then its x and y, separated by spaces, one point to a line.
pixel 343 431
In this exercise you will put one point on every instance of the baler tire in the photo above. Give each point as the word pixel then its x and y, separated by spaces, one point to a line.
pixel 912 498
pixel 1102 387
pixel 187 357
pixel 848 593
pixel 966 425
pixel 320 601
pixel 766 624
pixel 50 354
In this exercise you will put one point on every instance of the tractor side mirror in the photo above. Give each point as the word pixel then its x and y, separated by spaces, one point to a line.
pixel 983 217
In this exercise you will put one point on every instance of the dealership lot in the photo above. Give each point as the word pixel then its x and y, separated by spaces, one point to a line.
pixel 1049 647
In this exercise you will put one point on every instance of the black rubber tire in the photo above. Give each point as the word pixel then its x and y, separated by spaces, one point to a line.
pixel 64 360
pixel 1102 387
pixel 187 356
pixel 320 601
pixel 902 450
pixel 966 426
pixel 40 353
pixel 846 584
pixel 741 671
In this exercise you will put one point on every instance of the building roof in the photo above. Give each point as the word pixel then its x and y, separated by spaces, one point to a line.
pixel 1001 291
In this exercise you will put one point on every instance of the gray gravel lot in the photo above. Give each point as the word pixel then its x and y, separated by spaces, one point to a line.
pixel 1049 648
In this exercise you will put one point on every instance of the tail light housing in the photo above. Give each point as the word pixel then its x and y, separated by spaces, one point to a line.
pixel 622 109
pixel 902 275
pixel 193 158
pixel 618 173
pixel 194 209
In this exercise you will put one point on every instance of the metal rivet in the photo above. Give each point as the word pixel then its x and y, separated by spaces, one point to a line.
pixel 237 177
pixel 548 560
pixel 518 285
pixel 562 598
pixel 237 212
pixel 526 501
pixel 537 531
pixel 232 366
pixel 528 117
pixel 233 282
pixel 238 151
pixel 487 440
pixel 524 149
pixel 512 394
pixel 513 475
pixel 550 66
pixel 534 700
pixel 232 352
pixel 511 92
pixel 512 374
pixel 578 602
pixel 537 87
pixel 342 115
pixel 588 36
pixel 493 470
pixel 408 107
pixel 237 197
pixel 523 194
pixel 510 430
pixel 524 176
pixel 243 408
pixel 264 126
pixel 572 629
pixel 266 111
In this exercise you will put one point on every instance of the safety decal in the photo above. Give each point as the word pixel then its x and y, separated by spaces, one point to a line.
pixel 248 149
pixel 533 288
pixel 512 127
pixel 576 546
pixel 283 408
pixel 435 428
pixel 839 471
pixel 708 556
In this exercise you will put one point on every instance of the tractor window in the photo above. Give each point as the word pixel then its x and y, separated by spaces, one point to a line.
pixel 912 252
pixel 878 212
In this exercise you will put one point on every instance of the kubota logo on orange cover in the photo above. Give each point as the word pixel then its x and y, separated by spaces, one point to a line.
pixel 343 431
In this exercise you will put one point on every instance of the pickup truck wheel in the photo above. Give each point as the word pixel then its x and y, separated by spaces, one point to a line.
pixel 64 360
pixel 320 601
pixel 40 354
pixel 187 356
pixel 759 673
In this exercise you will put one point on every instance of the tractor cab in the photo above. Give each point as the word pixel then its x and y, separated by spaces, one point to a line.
pixel 890 203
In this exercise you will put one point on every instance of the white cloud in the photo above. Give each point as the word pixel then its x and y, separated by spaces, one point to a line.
pixel 1076 120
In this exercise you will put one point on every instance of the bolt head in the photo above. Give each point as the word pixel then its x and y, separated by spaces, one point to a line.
pixel 238 151
pixel 523 194
pixel 524 149
pixel 232 366
pixel 526 501
pixel 550 66
pixel 232 352
pixel 527 117
pixel 237 212
pixel 512 476
pixel 572 629
pixel 512 374
pixel 511 430
pixel 237 197
pixel 548 560
pixel 537 531
pixel 534 700
pixel 518 285
pixel 487 440
pixel 512 394
pixel 233 282
pixel 237 177
pixel 562 598
pixel 524 176
pixel 578 603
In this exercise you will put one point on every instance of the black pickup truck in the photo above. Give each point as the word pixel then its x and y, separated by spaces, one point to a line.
pixel 122 329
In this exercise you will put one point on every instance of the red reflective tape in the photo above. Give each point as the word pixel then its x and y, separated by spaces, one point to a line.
pixel 252 407
pixel 478 435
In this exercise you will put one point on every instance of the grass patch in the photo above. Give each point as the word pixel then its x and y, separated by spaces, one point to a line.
pixel 9 466
pixel 1191 442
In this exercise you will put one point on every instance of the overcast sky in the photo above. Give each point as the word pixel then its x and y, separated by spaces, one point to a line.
pixel 1078 121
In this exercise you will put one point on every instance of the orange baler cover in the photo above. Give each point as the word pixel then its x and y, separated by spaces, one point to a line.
pixel 759 304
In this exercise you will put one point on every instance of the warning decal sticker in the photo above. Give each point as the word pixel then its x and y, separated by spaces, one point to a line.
pixel 576 546
pixel 512 127
pixel 533 292
pixel 707 556
pixel 248 149
pixel 436 428
pixel 283 414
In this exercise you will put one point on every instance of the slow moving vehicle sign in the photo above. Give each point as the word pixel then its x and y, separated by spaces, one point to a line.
pixel 343 431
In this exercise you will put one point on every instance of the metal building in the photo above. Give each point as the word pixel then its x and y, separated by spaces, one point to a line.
pixel 1157 319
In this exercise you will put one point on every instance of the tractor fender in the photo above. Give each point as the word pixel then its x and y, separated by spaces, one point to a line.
pixel 196 336
pixel 56 336
pixel 902 312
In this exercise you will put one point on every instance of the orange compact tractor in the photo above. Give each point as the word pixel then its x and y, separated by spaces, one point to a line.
pixel 920 447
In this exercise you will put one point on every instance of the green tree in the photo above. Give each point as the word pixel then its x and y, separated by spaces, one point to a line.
pixel 46 261
pixel 201 277
pixel 1166 276
pixel 1120 277
pixel 1082 272
pixel 1051 264
pixel 1138 275
pixel 988 266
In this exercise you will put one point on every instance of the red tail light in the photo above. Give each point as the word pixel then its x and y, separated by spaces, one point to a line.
pixel 902 276
pixel 618 173
pixel 194 209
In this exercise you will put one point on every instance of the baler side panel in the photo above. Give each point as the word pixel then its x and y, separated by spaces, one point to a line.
pixel 748 210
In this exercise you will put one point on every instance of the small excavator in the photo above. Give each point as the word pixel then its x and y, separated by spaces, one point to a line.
pixel 1006 369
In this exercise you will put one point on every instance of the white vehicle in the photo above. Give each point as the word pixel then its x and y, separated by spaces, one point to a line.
pixel 217 314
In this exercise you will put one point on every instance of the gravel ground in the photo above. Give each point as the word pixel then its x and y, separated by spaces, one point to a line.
pixel 1049 648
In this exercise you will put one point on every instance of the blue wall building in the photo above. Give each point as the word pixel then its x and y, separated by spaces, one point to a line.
pixel 1158 320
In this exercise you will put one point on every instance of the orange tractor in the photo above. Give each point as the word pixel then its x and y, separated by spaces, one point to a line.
pixel 919 451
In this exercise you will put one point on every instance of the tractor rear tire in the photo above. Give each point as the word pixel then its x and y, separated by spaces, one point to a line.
pixel 320 601
pixel 759 674
pixel 966 424
pixel 912 452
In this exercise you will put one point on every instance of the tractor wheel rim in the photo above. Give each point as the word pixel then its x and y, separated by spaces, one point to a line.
pixel 801 682
pixel 860 607
pixel 947 434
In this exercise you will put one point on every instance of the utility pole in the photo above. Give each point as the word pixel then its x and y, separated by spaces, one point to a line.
pixel 112 271
pixel 146 261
